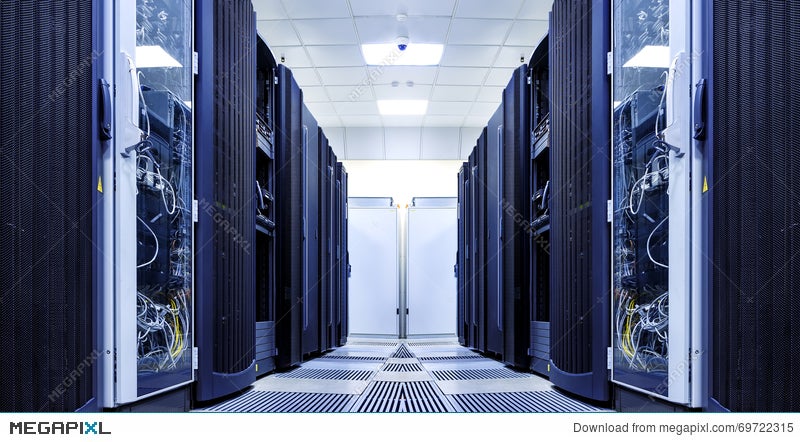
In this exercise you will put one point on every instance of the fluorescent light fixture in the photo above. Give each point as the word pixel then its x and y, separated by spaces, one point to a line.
pixel 650 57
pixel 154 57
pixel 416 54
pixel 402 107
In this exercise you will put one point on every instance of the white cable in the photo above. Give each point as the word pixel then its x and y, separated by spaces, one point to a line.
pixel 155 255
pixel 648 243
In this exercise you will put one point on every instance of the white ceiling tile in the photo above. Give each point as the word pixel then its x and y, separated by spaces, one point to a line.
pixel 336 139
pixel 417 74
pixel 349 93
pixel 491 93
pixel 455 93
pixel 338 31
pixel 295 56
pixel 465 31
pixel 459 108
pixel 335 56
pixel 277 33
pixel 510 56
pixel 343 76
pixel 360 121
pixel 483 108
pixel 327 122
pixel 402 143
pixel 319 109
pixel 469 139
pixel 490 9
pixel 461 76
pixel 316 8
pixel 410 7
pixel 478 56
pixel 536 9
pixel 402 120
pixel 402 92
pixel 314 94
pixel 443 121
pixel 527 32
pixel 305 77
pixel 365 143
pixel 440 143
pixel 386 29
pixel 499 77
pixel 269 10
pixel 476 121
pixel 356 108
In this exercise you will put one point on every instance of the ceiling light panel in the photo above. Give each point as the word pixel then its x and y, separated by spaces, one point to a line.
pixel 402 107
pixel 469 56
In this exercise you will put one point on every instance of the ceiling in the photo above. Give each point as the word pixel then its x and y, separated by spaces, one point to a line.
pixel 484 41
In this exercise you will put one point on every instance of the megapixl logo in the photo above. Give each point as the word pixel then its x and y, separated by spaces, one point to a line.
pixel 56 427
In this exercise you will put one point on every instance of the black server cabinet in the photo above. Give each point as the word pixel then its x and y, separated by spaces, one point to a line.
pixel 514 229
pixel 51 143
pixel 289 214
pixel 494 248
pixel 580 124
pixel 311 240
pixel 461 250
pixel 327 293
pixel 265 209
pixel 479 240
pixel 342 257
pixel 469 252
pixel 225 156
pixel 540 191
pixel 751 203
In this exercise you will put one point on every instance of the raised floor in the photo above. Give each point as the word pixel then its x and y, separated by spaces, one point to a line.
pixel 371 375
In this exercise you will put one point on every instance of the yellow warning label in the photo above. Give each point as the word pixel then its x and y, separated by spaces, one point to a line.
pixel 100 184
pixel 705 184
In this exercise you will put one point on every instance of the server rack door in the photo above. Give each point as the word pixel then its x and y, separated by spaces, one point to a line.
pixel 225 109
pixel 324 237
pixel 311 280
pixel 480 239
pixel 52 148
pixel 752 177
pixel 469 255
pixel 579 319
pixel 494 247
pixel 289 212
pixel 460 257
pixel 432 235
pixel 344 295
pixel 514 230
pixel 374 292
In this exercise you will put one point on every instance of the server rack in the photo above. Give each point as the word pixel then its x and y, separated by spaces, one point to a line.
pixel 493 212
pixel 342 256
pixel 514 231
pixel 265 209
pixel 310 306
pixel 226 171
pixel 579 302
pixel 53 136
pixel 289 213
pixel 469 253
pixel 540 191
pixel 749 200
pixel 326 243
